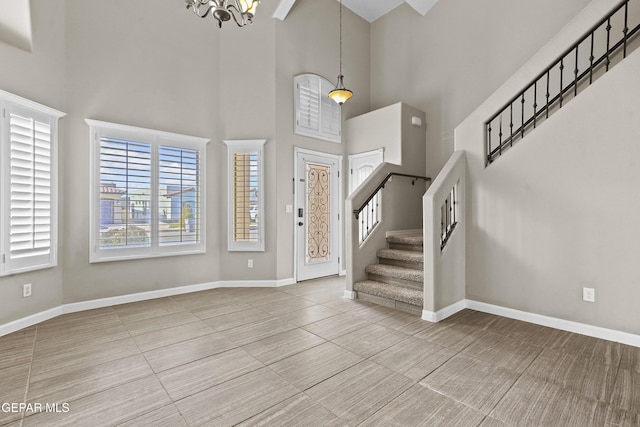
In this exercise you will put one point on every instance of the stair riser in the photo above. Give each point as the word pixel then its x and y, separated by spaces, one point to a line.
pixel 397 305
pixel 405 264
pixel 395 281
pixel 405 247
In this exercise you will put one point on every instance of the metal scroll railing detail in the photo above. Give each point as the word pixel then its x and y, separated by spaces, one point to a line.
pixel 368 214
pixel 591 56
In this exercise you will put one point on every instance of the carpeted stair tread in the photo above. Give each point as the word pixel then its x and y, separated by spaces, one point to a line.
pixel 400 255
pixel 402 273
pixel 390 292
pixel 407 239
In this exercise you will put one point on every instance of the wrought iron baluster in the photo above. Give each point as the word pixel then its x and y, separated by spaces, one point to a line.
pixel 575 72
pixel 561 73
pixel 511 123
pixel 591 58
pixel 500 135
pixel 608 61
pixel 522 127
pixel 625 30
pixel 535 103
pixel 488 142
pixel 548 94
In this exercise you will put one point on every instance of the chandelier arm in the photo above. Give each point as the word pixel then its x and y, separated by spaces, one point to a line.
pixel 196 9
pixel 233 10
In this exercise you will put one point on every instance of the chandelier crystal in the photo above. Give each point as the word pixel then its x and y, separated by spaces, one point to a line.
pixel 242 11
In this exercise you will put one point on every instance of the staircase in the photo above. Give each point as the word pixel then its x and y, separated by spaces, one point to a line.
pixel 397 280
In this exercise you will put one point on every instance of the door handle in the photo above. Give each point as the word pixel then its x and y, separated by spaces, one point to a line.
pixel 300 224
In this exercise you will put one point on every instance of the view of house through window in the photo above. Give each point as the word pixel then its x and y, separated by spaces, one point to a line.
pixel 150 194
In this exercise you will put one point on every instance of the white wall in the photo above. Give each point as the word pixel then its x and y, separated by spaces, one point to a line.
pixel 558 211
pixel 450 60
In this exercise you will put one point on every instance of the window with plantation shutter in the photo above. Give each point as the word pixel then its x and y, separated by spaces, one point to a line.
pixel 246 195
pixel 147 195
pixel 316 115
pixel 28 176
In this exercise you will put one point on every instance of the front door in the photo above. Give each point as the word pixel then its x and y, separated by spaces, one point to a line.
pixel 317 214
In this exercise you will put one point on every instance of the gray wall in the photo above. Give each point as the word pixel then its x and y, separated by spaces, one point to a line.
pixel 558 211
pixel 450 60
pixel 38 76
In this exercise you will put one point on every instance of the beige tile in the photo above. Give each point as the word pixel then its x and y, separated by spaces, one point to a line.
pixel 146 309
pixel 289 307
pixel 309 314
pixel 539 403
pixel 79 357
pixel 200 299
pixel 220 309
pixel 626 391
pixel 324 297
pixel 455 337
pixel 473 382
pixel 80 317
pixel 406 323
pixel 630 358
pixel 309 367
pixel 139 327
pixel 168 336
pixel 414 358
pixel 359 391
pixel 370 340
pixel 419 406
pixel 344 305
pixel 13 387
pixel 473 319
pixel 611 416
pixel 17 348
pixel 110 407
pixel 374 313
pixel 83 382
pixel 245 334
pixel 336 326
pixel 515 328
pixel 581 345
pixel 283 345
pixel 492 422
pixel 58 338
pixel 503 351
pixel 236 400
pixel 588 376
pixel 275 298
pixel 298 410
pixel 202 374
pixel 238 318
pixel 167 416
pixel 184 352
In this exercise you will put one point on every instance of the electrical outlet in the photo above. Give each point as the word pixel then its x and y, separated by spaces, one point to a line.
pixel 26 290
pixel 589 294
pixel 250 263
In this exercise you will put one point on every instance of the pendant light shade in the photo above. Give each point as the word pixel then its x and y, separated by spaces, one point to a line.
pixel 340 94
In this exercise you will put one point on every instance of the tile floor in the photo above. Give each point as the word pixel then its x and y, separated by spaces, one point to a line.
pixel 302 355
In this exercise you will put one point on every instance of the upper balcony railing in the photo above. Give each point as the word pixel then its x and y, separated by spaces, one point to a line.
pixel 591 56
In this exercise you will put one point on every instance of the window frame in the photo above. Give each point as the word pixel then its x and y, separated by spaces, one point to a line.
pixel 156 139
pixel 245 146
pixel 10 103
pixel 325 117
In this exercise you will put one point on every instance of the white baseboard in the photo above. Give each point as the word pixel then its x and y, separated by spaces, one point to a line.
pixel 342 273
pixel 75 307
pixel 553 322
pixel 444 313
pixel 350 294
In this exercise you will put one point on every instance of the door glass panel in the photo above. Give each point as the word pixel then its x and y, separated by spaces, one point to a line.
pixel 318 221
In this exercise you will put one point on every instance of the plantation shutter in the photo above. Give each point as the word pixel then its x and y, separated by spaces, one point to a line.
pixel 30 187
pixel 28 139
pixel 316 115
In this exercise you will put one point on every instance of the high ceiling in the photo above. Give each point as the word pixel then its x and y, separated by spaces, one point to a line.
pixel 367 9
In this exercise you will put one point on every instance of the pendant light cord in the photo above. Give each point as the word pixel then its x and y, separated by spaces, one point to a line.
pixel 340 37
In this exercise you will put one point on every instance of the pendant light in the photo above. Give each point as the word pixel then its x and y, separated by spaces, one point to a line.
pixel 340 94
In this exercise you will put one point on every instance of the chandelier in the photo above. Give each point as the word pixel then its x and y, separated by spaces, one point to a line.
pixel 340 94
pixel 241 11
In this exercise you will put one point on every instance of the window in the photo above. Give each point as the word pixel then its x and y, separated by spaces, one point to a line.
pixel 28 184
pixel 246 195
pixel 316 115
pixel 147 193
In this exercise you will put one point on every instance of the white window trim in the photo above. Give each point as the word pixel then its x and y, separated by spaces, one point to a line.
pixel 156 138
pixel 243 146
pixel 324 87
pixel 11 102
